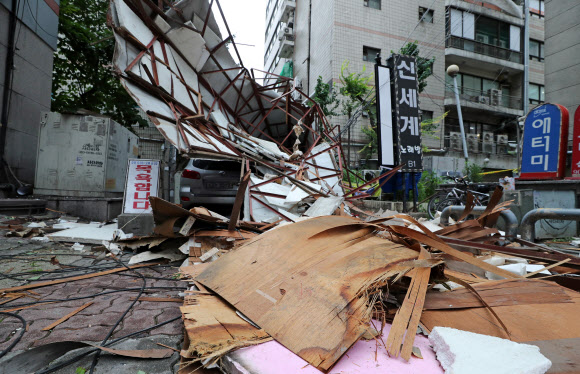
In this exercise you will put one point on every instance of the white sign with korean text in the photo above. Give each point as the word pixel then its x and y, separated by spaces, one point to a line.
pixel 142 182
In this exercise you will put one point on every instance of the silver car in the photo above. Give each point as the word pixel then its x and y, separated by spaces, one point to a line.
pixel 207 181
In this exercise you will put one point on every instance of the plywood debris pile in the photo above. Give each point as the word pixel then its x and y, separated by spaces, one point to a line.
pixel 291 263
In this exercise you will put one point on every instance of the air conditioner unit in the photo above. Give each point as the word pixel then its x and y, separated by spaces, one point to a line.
pixel 286 49
pixel 482 99
pixel 455 142
pixel 502 144
pixel 502 139
pixel 473 143
pixel 495 96
pixel 288 32
pixel 482 38
pixel 488 141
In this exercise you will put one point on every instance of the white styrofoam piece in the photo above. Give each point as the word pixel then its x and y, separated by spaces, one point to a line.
pixel 170 254
pixel 462 352
pixel 86 234
pixel 515 260
pixel 36 225
pixel 518 269
pixel 324 206
pixel 495 260
pixel 40 239
pixel 533 268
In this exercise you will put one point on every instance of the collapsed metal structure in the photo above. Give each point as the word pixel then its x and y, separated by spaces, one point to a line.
pixel 175 63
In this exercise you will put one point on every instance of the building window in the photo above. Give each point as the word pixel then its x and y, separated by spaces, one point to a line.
pixel 375 4
pixel 426 115
pixel 536 93
pixel 536 50
pixel 494 32
pixel 426 15
pixel 537 8
pixel 369 54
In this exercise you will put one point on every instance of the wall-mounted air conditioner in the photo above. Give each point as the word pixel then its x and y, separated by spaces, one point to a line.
pixel 502 144
pixel 455 142
pixel 482 99
pixel 488 142
pixel 473 143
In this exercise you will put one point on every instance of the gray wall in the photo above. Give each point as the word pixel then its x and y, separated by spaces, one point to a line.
pixel 563 54
pixel 32 80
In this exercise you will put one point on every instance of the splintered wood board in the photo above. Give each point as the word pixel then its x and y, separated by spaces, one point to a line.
pixel 525 322
pixel 301 283
pixel 499 293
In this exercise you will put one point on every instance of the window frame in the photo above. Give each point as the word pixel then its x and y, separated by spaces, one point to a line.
pixel 366 49
pixel 367 3
pixel 540 50
pixel 538 99
pixel 422 11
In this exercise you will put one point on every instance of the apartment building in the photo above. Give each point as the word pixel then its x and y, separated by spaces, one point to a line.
pixel 485 39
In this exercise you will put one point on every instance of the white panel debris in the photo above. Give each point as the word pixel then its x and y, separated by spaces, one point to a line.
pixel 462 352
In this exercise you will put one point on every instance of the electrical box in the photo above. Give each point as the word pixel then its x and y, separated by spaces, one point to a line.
pixel 82 156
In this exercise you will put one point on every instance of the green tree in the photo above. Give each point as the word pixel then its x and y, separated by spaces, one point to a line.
pixel 326 97
pixel 83 77
pixel 355 89
pixel 424 65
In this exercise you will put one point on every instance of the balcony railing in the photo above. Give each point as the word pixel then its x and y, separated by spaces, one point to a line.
pixel 484 49
pixel 490 99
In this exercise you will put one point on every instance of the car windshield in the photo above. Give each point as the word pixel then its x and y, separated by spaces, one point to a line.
pixel 216 165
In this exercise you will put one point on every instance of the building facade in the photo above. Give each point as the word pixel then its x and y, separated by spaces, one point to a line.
pixel 27 44
pixel 485 39
pixel 563 55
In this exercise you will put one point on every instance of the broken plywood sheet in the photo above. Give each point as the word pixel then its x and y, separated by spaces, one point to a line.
pixel 308 279
pixel 524 322
pixel 499 293
pixel 213 328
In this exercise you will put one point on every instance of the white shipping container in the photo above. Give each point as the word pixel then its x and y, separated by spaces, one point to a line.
pixel 82 156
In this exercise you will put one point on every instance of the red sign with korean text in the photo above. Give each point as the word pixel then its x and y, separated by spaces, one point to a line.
pixel 576 146
pixel 142 182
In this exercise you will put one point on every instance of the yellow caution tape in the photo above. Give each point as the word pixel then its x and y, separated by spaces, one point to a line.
pixel 498 171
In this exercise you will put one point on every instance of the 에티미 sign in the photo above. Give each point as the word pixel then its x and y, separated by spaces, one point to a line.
pixel 576 146
pixel 142 182
pixel 545 143
pixel 406 102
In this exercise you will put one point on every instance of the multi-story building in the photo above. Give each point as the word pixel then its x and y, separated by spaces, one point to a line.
pixel 485 39
pixel 562 55
pixel 28 39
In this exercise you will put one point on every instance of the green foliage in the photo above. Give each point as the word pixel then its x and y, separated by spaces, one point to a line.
pixel 349 177
pixel 428 184
pixel 424 65
pixel 372 146
pixel 429 128
pixel 326 98
pixel 83 77
pixel 355 88
pixel 473 172
pixel 80 370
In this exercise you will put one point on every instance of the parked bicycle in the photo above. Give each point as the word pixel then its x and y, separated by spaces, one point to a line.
pixel 456 196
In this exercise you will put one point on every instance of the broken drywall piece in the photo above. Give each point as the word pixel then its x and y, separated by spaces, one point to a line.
pixel 162 24
pixel 170 254
pixel 462 352
pixel 324 206
pixel 112 247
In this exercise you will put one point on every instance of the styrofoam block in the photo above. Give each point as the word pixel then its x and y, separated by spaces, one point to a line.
pixel 518 269
pixel 462 352
pixel 495 260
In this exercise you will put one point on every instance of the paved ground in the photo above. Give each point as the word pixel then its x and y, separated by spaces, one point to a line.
pixel 23 261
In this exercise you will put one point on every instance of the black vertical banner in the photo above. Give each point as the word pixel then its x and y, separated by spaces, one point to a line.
pixel 405 98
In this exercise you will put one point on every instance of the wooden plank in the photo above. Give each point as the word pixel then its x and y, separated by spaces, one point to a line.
pixel 159 299
pixel 499 293
pixel 72 279
pixel 525 322
pixel 239 201
pixel 304 283
pixel 63 319
pixel 187 226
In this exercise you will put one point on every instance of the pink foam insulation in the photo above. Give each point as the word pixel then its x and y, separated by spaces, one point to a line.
pixel 363 357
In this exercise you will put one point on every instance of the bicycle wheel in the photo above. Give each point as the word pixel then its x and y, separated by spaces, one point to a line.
pixel 434 202
pixel 452 201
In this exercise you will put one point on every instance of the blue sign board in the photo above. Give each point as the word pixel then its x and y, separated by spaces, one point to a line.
pixel 542 147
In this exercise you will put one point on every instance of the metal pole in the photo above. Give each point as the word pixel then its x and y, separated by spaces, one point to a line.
pixel 526 56
pixel 460 115
pixel 415 197
pixel 404 177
